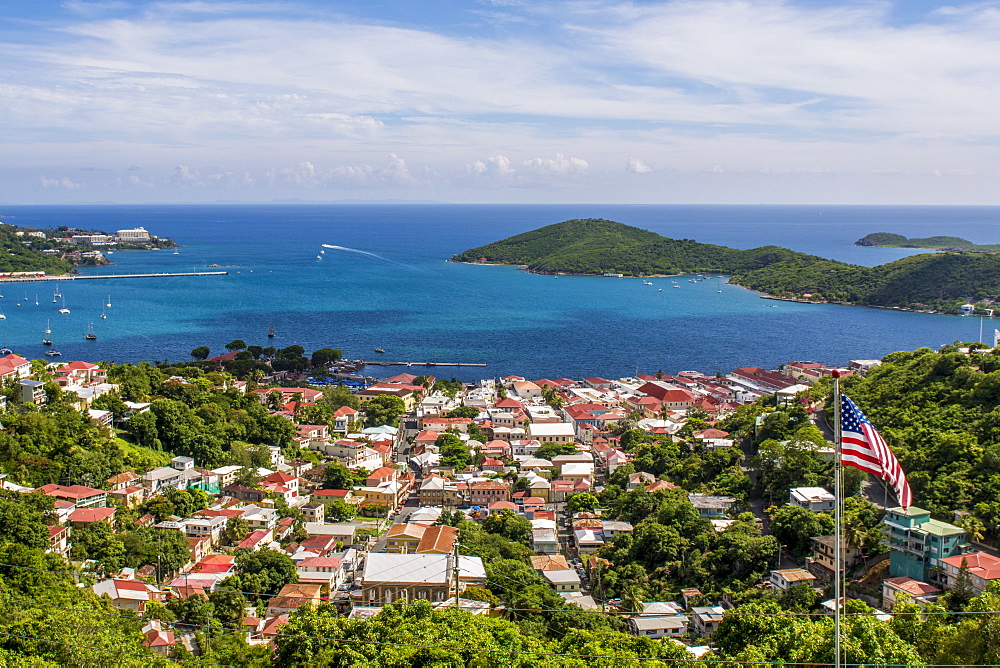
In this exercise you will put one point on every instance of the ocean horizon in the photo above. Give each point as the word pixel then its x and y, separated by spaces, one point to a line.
pixel 383 282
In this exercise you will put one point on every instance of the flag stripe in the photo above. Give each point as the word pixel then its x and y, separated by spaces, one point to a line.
pixel 864 448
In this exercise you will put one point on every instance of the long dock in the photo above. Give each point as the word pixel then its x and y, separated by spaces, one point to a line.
pixel 95 277
pixel 380 363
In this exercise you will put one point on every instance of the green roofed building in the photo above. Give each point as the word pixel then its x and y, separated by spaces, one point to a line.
pixel 917 543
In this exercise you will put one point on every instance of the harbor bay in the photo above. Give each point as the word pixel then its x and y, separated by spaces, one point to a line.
pixel 360 277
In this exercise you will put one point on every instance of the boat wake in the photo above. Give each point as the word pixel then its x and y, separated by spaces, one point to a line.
pixel 355 250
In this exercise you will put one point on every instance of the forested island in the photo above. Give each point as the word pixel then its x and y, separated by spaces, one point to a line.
pixel 890 240
pixel 936 282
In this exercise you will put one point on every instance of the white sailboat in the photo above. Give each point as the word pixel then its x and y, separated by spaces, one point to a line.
pixel 64 310
pixel 104 316
pixel 109 302
pixel 2 316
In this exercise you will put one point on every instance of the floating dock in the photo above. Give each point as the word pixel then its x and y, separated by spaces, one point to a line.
pixel 95 277
pixel 379 363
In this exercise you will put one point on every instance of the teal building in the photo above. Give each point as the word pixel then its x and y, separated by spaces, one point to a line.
pixel 917 543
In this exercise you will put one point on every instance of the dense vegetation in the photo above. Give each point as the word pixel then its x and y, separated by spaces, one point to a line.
pixel 17 255
pixel 939 413
pixel 936 281
pixel 596 246
pixel 933 281
pixel 891 240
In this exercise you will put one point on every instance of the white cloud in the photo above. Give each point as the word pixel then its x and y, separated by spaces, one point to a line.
pixel 137 182
pixel 558 166
pixel 185 176
pixel 280 96
pixel 637 165
pixel 64 182
pixel 496 165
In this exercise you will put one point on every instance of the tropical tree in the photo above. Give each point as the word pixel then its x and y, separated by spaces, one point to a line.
pixel 236 344
pixel 201 352
pixel 325 356
pixel 384 409
pixel 974 528
pixel 582 502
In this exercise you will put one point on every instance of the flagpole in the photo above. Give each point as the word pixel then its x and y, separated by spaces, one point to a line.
pixel 837 438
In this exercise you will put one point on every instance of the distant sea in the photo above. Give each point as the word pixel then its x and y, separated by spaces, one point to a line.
pixel 394 290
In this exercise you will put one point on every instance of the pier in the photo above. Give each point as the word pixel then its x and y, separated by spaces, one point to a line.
pixel 380 363
pixel 95 277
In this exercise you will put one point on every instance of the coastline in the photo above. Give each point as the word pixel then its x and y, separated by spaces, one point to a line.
pixel 524 267
pixel 763 295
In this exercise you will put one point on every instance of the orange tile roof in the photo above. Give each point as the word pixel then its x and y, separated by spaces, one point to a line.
pixel 440 539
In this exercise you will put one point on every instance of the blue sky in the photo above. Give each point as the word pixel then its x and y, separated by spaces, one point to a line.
pixel 671 101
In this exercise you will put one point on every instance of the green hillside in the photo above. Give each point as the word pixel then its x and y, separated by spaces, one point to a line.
pixel 16 255
pixel 932 281
pixel 938 281
pixel 594 246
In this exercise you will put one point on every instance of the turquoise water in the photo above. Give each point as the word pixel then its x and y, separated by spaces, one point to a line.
pixel 406 299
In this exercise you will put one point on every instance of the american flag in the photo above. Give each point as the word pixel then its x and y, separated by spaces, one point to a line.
pixel 862 447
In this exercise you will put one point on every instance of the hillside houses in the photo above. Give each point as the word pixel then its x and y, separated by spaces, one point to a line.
pixel 385 549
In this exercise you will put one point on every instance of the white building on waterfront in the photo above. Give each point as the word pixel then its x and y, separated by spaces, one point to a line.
pixel 133 235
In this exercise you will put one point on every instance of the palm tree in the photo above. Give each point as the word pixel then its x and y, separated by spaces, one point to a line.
pixel 275 400
pixel 632 600
pixel 974 528
pixel 854 532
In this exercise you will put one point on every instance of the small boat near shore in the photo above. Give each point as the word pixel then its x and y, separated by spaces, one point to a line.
pixel 379 350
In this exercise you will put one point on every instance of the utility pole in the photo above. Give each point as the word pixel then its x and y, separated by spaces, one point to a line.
pixel 455 570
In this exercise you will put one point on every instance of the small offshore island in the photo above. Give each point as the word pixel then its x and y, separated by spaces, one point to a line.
pixel 932 282
pixel 25 250
pixel 941 243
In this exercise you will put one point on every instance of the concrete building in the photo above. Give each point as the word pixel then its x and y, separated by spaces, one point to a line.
pixel 786 578
pixel 917 543
pixel 134 235
pixel 983 568
pixel 33 392
pixel 815 499
pixel 563 581
pixel 430 577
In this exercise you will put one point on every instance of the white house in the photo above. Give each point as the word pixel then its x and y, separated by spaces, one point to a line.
pixel 563 581
pixel 815 499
